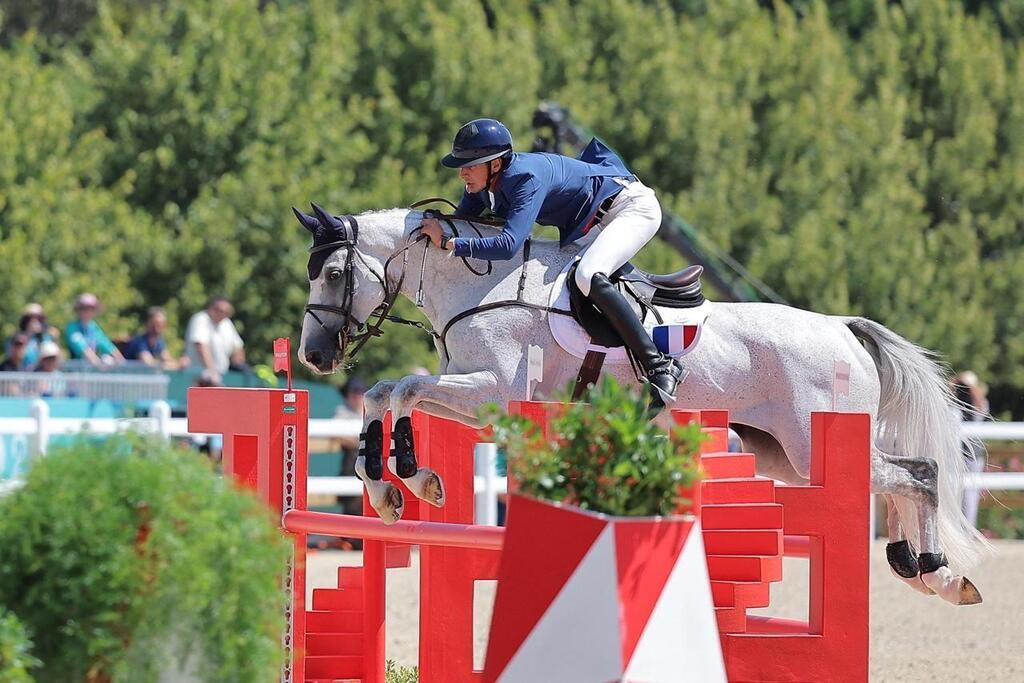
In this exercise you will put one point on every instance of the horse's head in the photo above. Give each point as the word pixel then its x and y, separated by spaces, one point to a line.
pixel 346 286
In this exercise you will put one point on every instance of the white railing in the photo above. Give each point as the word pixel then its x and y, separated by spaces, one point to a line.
pixel 39 427
pixel 111 386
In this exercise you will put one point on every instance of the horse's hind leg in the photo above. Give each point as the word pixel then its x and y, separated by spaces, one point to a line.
pixel 900 553
pixel 771 459
pixel 916 480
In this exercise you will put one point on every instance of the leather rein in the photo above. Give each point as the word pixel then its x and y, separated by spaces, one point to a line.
pixel 367 330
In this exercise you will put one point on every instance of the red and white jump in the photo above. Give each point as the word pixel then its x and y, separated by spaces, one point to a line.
pixel 749 523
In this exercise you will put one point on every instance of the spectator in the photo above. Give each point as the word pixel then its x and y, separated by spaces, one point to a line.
pixel 211 340
pixel 84 337
pixel 150 347
pixel 15 360
pixel 49 362
pixel 972 396
pixel 33 324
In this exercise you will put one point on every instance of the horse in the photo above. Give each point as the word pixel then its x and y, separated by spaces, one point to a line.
pixel 769 365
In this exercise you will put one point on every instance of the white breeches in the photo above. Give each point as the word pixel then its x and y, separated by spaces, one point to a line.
pixel 631 222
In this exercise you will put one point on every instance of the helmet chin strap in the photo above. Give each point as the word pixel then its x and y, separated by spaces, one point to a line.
pixel 491 173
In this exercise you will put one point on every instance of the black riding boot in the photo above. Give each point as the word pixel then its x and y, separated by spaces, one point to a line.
pixel 663 373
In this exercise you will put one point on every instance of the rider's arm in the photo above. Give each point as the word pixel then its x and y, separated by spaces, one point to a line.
pixel 471 204
pixel 526 200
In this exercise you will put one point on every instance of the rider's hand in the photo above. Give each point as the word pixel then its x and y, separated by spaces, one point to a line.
pixel 432 229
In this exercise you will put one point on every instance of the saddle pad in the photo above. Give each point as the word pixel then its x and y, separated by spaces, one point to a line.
pixel 574 339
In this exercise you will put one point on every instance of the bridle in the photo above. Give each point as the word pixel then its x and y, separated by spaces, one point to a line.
pixel 364 330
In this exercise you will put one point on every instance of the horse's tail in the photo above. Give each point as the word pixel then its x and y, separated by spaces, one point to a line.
pixel 918 414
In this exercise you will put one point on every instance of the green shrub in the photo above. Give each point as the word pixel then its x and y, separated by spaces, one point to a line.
pixel 400 674
pixel 15 648
pixel 607 455
pixel 125 557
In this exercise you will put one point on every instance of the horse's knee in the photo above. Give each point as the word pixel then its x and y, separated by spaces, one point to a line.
pixel 403 395
pixel 378 397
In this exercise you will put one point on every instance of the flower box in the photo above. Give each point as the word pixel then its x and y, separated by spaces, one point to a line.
pixel 584 596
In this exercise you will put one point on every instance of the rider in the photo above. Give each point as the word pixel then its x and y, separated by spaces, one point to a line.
pixel 595 191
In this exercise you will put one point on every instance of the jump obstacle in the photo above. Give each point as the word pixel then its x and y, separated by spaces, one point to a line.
pixel 749 524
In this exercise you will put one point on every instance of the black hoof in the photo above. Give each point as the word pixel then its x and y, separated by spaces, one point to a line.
pixel 371 447
pixel 901 559
pixel 404 450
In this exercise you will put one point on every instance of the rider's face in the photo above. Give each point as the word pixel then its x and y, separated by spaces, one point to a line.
pixel 475 177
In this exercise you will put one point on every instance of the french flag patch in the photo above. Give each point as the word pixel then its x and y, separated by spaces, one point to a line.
pixel 675 340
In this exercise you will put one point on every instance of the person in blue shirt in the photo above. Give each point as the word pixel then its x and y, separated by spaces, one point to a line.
pixel 150 347
pixel 84 336
pixel 594 192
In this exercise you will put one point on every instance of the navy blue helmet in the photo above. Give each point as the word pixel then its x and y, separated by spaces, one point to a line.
pixel 477 142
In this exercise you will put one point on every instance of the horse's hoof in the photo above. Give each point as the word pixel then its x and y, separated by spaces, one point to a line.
pixel 914 582
pixel 969 594
pixel 954 589
pixel 426 485
pixel 386 499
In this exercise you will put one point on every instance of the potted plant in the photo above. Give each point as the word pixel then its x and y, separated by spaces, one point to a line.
pixel 603 575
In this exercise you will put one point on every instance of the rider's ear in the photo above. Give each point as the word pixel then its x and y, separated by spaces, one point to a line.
pixel 308 222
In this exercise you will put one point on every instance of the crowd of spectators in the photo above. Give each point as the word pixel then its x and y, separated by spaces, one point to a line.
pixel 212 343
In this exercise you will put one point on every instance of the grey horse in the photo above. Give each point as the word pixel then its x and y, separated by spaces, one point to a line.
pixel 770 366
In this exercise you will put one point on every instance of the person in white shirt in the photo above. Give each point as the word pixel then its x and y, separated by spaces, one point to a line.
pixel 211 340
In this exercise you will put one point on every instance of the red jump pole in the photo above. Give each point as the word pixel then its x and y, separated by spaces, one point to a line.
pixel 412 532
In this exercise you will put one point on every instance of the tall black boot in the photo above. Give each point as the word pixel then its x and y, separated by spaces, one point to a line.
pixel 663 373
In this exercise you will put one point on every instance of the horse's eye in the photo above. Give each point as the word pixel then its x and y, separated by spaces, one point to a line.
pixel 333 275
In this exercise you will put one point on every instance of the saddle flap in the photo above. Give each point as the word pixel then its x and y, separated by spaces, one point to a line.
pixel 586 329
pixel 642 290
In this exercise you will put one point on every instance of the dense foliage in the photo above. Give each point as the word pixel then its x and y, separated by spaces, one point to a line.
pixel 607 456
pixel 860 157
pixel 16 659
pixel 128 557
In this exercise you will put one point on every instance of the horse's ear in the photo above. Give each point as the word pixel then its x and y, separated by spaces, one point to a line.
pixel 326 219
pixel 308 222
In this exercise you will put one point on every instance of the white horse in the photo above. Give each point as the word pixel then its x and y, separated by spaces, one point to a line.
pixel 770 366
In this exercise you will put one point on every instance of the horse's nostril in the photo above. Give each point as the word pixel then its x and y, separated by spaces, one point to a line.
pixel 313 357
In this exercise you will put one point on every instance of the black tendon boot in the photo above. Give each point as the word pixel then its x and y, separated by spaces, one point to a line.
pixel 663 373
pixel 371 447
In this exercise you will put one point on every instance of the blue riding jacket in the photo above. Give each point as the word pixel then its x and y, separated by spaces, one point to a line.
pixel 549 189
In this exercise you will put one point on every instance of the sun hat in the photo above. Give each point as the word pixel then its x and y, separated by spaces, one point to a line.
pixel 49 349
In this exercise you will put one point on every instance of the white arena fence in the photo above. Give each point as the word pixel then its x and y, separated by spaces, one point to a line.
pixel 113 386
pixel 40 427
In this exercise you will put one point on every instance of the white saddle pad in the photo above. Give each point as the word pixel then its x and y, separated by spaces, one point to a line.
pixel 574 339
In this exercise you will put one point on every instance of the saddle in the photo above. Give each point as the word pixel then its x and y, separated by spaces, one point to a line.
pixel 643 291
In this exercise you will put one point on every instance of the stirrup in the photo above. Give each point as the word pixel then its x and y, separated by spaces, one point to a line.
pixel 673 368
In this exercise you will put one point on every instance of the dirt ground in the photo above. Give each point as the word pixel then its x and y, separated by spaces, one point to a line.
pixel 913 637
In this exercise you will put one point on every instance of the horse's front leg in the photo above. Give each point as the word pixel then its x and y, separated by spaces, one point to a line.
pixel 385 497
pixel 458 394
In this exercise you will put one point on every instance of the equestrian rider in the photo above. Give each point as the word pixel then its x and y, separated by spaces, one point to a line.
pixel 594 192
